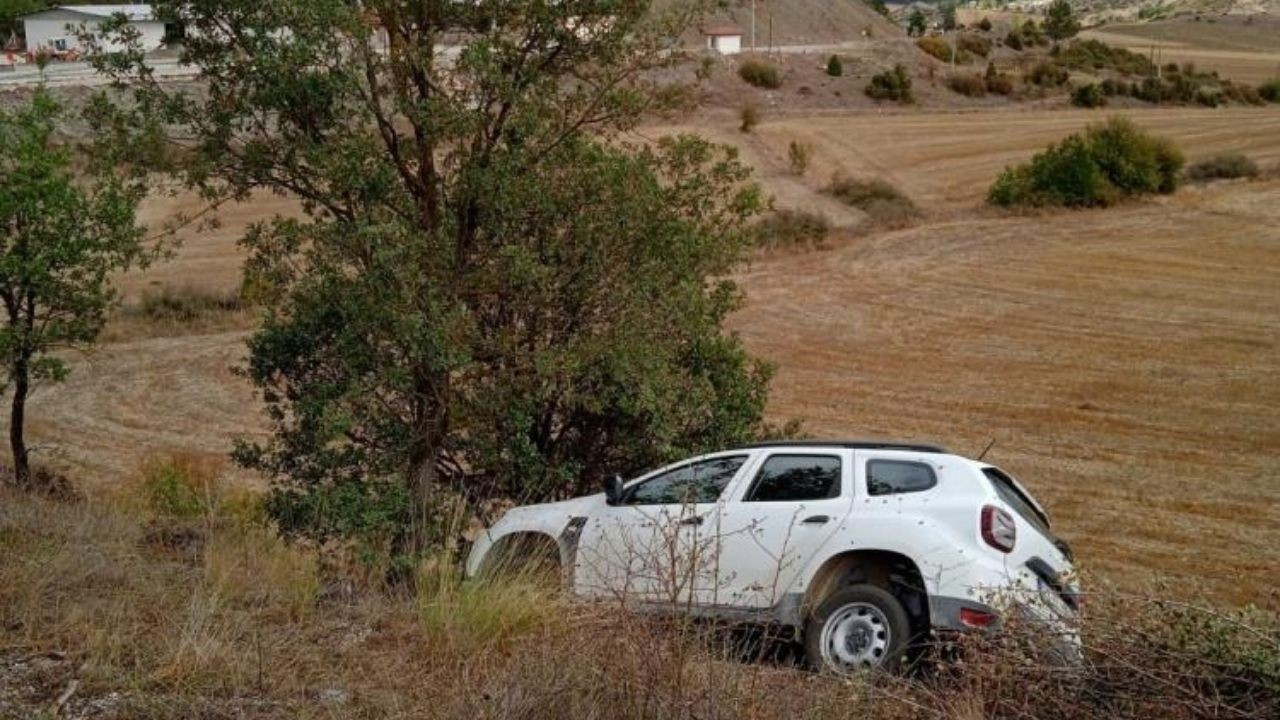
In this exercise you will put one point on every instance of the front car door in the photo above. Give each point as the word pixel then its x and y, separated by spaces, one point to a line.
pixel 651 546
pixel 777 519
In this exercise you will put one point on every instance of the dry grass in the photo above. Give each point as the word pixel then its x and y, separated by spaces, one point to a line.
pixel 240 625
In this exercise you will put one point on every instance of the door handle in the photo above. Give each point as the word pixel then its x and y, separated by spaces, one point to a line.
pixel 695 520
pixel 816 520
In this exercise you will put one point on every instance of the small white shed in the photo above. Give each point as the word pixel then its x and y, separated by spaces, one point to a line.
pixel 724 39
pixel 54 28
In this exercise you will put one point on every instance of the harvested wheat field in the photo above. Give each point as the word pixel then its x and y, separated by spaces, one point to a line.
pixel 1124 360
pixel 1243 48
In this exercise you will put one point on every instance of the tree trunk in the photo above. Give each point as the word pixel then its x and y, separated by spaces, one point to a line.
pixel 17 420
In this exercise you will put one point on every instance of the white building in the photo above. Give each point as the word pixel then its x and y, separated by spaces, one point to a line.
pixel 724 39
pixel 55 28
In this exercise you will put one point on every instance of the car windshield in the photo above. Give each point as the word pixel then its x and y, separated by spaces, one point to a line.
pixel 1009 491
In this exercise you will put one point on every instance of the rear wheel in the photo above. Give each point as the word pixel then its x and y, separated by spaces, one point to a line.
pixel 857 628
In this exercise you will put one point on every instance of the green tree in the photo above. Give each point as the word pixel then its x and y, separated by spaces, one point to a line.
pixel 11 10
pixel 916 23
pixel 1060 21
pixel 879 6
pixel 949 17
pixel 835 66
pixel 488 293
pixel 60 241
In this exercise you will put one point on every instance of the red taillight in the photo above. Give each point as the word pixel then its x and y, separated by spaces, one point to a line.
pixel 998 528
pixel 975 618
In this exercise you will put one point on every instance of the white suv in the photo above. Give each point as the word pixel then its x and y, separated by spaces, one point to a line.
pixel 862 548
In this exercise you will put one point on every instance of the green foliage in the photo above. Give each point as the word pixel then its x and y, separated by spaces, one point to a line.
pixel 487 295
pixel 916 24
pixel 1060 20
pixel 61 239
pixel 1093 55
pixel 1025 36
pixel 892 84
pixel 967 84
pixel 760 74
pixel 11 10
pixel 1013 40
pixel 835 67
pixel 1224 166
pixel 1270 90
pixel 879 6
pixel 788 229
pixel 1089 95
pixel 1109 161
pixel 179 487
pixel 948 11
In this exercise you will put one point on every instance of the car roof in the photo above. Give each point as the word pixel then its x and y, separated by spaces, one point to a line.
pixel 849 444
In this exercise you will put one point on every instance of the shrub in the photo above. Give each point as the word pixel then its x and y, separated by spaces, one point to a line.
pixel 984 24
pixel 997 82
pixel 749 117
pixel 798 155
pixel 892 84
pixel 1240 93
pixel 1109 161
pixel 1209 97
pixel 968 84
pixel 883 203
pixel 1222 167
pixel 791 229
pixel 181 486
pixel 1270 90
pixel 760 74
pixel 974 44
pixel 835 67
pixel 1048 73
pixel 1092 55
pixel 938 47
pixel 187 304
pixel 1088 96
pixel 1013 40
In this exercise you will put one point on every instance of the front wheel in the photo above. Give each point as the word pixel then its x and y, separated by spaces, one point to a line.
pixel 857 628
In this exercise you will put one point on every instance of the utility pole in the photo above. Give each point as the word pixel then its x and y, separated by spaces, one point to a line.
pixel 753 25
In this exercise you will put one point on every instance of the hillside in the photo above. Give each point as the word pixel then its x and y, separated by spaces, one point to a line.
pixel 805 22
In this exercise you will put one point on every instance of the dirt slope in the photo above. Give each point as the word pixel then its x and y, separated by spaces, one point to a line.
pixel 807 22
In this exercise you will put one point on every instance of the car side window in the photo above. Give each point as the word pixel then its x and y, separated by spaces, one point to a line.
pixel 700 482
pixel 891 477
pixel 793 478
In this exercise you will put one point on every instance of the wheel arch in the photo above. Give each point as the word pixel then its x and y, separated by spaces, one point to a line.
pixel 889 569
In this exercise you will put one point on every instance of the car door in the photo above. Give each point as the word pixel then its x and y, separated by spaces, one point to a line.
pixel 651 546
pixel 787 507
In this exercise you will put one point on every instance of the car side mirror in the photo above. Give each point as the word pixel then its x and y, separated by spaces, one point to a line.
pixel 613 490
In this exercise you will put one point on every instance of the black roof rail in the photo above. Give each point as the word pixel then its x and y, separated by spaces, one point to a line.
pixel 850 444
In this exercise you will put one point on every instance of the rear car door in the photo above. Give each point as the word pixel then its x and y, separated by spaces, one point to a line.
pixel 786 507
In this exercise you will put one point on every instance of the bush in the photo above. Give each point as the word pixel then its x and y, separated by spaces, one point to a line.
pixel 974 44
pixel 883 203
pixel 1109 161
pixel 1092 55
pixel 1240 93
pixel 984 24
pixel 749 117
pixel 997 82
pixel 835 67
pixel 798 155
pixel 1013 40
pixel 187 304
pixel 968 84
pixel 1048 73
pixel 1088 96
pixel 938 47
pixel 760 74
pixel 892 84
pixel 791 229
pixel 1270 90
pixel 1224 166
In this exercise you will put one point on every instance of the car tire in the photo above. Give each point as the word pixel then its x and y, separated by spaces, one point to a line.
pixel 858 628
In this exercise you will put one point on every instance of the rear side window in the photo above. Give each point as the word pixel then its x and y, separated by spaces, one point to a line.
pixel 892 477
pixel 796 477
pixel 700 482
pixel 1014 498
